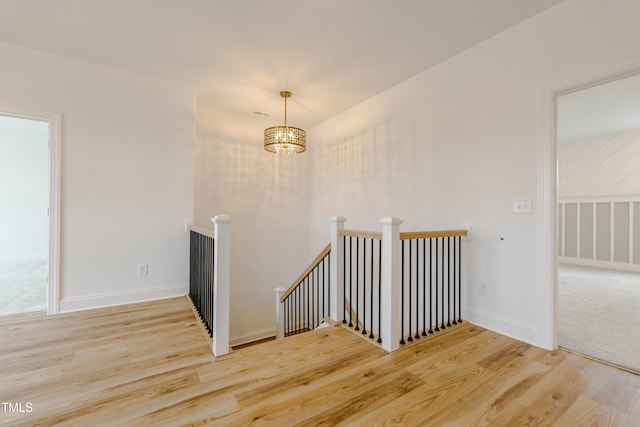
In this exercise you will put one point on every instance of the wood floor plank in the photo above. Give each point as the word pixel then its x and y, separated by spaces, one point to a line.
pixel 149 364
pixel 587 412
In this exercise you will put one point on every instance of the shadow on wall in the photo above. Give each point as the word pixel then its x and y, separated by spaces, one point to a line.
pixel 372 171
pixel 236 174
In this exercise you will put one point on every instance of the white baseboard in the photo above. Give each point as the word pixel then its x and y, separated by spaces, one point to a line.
pixel 120 298
pixel 252 336
pixel 503 325
pixel 611 265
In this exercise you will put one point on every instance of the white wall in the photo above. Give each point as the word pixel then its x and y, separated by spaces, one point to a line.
pixel 266 196
pixel 24 193
pixel 127 173
pixel 459 142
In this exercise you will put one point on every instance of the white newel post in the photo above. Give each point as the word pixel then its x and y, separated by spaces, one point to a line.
pixel 221 284
pixel 390 310
pixel 279 313
pixel 337 268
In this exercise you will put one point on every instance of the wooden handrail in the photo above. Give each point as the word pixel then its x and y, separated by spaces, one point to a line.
pixel 431 234
pixel 361 233
pixel 370 235
pixel 306 272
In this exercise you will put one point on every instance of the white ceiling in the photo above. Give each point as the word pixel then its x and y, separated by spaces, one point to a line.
pixel 332 54
pixel 600 110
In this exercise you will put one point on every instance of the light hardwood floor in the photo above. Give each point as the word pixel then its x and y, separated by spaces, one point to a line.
pixel 149 364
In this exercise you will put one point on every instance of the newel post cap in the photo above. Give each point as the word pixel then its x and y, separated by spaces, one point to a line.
pixel 338 219
pixel 221 219
pixel 391 221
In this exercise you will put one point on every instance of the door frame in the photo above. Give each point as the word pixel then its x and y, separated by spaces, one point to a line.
pixel 55 150
pixel 548 188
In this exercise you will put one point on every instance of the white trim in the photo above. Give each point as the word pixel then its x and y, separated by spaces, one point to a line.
pixel 594 230
pixel 631 232
pixel 252 336
pixel 55 173
pixel 55 150
pixel 546 276
pixel 611 265
pixel 578 229
pixel 547 261
pixel 119 298
pixel 504 325
pixel 600 199
pixel 612 230
pixel 203 231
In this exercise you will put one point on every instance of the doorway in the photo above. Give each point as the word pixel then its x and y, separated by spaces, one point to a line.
pixel 24 213
pixel 598 221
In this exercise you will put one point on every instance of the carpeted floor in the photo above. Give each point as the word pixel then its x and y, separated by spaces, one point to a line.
pixel 23 286
pixel 599 314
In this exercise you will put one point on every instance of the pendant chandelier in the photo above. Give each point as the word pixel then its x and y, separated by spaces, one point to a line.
pixel 285 139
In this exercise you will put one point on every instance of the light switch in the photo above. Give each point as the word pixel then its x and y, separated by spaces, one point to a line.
pixel 522 205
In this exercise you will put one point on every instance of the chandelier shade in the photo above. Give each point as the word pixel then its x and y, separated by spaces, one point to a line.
pixel 285 139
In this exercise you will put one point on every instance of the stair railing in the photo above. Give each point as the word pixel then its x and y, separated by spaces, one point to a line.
pixel 209 278
pixel 382 285
pixel 305 304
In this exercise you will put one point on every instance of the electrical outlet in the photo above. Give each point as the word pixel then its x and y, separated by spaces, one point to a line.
pixel 143 269
pixel 522 206
pixel 482 290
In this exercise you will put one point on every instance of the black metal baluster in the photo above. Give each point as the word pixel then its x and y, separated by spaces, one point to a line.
pixel 329 286
pixel 210 306
pixel 344 278
pixel 402 296
pixel 319 292
pixel 417 291
pixel 443 326
pixel 285 307
pixel 310 302
pixel 430 331
pixel 291 315
pixel 298 314
pixel 207 287
pixel 455 263
pixel 410 338
pixel 350 281
pixel 357 328
pixel 436 286
pixel 364 286
pixel 200 279
pixel 207 284
pixel 424 287
pixel 323 288
pixel 449 259
pixel 371 326
pixel 213 269
pixel 291 312
pixel 459 280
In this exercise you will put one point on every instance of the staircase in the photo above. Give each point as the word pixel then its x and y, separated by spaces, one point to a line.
pixel 390 288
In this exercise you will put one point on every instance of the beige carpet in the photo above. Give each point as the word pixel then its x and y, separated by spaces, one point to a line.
pixel 599 314
pixel 23 286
